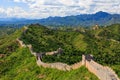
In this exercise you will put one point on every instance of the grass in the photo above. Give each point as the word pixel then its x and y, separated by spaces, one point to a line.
pixel 79 43
pixel 21 65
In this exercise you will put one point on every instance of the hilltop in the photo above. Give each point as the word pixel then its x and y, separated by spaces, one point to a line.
pixel 18 63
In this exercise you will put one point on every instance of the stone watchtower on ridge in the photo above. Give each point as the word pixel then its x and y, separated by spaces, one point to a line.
pixel 86 58
pixel 95 27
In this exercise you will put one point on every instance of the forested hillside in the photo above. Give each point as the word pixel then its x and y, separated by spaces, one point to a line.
pixel 4 31
pixel 18 63
pixel 103 43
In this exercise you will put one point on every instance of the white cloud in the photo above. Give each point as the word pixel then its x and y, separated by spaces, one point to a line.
pixel 25 1
pixel 2 10
pixel 46 8
pixel 108 6
pixel 16 11
pixel 67 3
pixel 16 0
pixel 13 12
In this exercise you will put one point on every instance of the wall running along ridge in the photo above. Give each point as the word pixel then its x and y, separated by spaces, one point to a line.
pixel 102 72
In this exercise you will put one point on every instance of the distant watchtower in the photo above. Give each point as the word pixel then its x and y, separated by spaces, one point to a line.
pixel 95 27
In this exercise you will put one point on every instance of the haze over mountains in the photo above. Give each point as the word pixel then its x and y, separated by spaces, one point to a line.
pixel 100 18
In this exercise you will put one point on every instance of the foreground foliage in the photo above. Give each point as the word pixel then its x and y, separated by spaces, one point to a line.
pixel 21 65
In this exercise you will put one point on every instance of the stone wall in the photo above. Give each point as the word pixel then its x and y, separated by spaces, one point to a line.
pixel 102 72
pixel 21 44
pixel 112 72
pixel 57 65
pixel 76 65
pixel 58 51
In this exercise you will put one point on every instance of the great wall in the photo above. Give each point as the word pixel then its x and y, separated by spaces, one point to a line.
pixel 102 72
pixel 57 65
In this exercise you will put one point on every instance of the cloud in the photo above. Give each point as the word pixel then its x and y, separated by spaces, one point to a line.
pixel 13 12
pixel 2 10
pixel 108 6
pixel 46 8
pixel 16 12
pixel 25 1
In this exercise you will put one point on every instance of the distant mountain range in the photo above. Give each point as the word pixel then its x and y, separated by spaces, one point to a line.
pixel 100 18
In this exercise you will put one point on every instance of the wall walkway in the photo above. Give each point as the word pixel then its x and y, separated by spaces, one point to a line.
pixel 102 72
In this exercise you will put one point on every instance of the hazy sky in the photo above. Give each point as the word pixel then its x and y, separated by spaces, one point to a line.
pixel 46 8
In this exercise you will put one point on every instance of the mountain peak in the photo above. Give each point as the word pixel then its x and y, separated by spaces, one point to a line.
pixel 102 13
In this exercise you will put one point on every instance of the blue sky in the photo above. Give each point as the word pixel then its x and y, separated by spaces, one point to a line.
pixel 44 8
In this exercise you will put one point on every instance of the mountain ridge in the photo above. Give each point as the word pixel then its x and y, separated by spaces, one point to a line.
pixel 100 18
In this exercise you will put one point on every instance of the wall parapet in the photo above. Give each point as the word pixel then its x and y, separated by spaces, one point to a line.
pixel 102 72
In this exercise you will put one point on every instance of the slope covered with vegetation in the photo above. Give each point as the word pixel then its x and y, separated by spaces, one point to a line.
pixel 8 43
pixel 5 31
pixel 45 40
pixel 19 64
pixel 103 43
